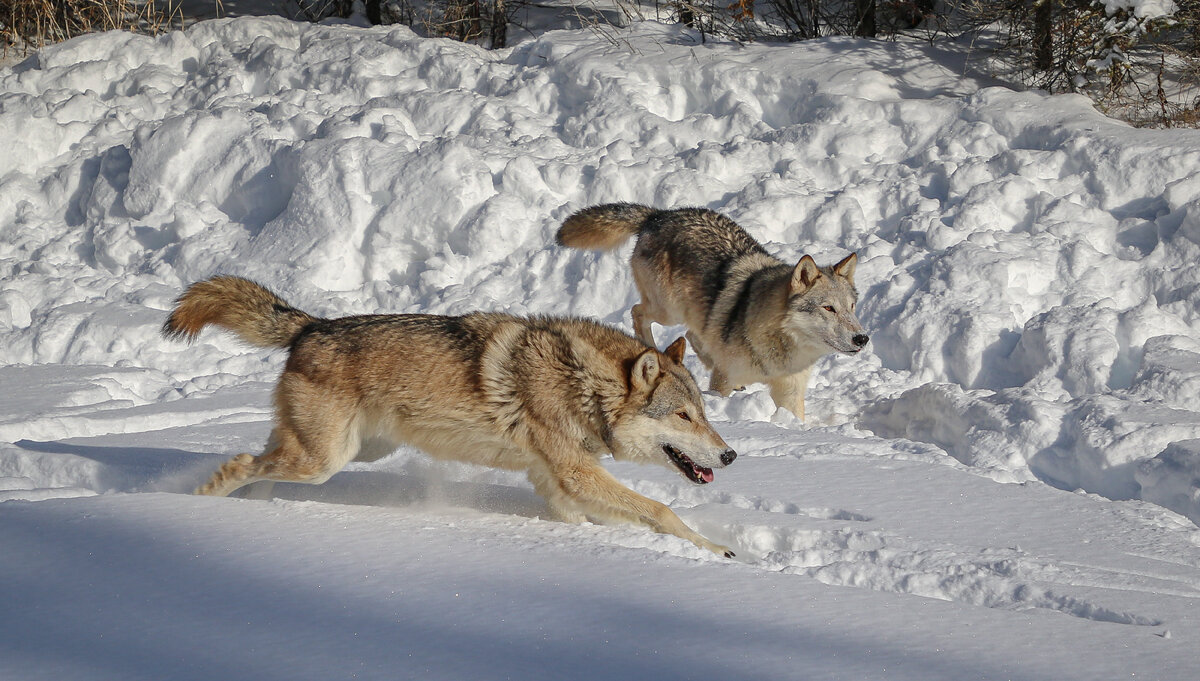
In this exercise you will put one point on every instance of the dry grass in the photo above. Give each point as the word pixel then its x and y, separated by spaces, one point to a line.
pixel 31 24
pixel 1163 93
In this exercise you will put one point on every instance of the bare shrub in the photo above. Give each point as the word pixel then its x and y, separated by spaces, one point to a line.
pixel 791 20
pixel 316 10
pixel 31 24
pixel 484 22
pixel 1140 68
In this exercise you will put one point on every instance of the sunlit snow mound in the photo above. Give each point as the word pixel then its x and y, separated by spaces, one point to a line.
pixel 1029 270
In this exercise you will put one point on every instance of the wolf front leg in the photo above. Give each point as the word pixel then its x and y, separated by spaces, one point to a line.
pixel 600 495
pixel 561 506
pixel 788 391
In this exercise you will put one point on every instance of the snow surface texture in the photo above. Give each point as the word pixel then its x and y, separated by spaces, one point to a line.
pixel 1029 272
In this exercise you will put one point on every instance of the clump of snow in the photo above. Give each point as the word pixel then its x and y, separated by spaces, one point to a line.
pixel 1142 9
pixel 1172 478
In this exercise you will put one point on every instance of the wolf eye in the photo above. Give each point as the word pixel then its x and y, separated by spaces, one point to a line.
pixel 829 308
pixel 683 415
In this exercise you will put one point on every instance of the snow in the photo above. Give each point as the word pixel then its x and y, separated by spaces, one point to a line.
pixel 1005 485
pixel 1142 9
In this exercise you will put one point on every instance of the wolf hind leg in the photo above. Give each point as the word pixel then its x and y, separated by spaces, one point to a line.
pixel 719 382
pixel 698 347
pixel 788 391
pixel 652 307
pixel 245 469
pixel 641 324
pixel 242 469
pixel 287 460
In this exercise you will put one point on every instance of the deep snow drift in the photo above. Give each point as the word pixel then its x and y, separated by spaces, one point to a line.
pixel 1030 276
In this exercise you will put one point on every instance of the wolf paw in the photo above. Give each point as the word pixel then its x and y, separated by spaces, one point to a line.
pixel 723 551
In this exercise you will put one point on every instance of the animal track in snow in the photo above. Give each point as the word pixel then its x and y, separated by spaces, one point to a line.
pixel 894 548
pixel 680 496
pixel 789 508
pixel 1005 578
pixel 848 548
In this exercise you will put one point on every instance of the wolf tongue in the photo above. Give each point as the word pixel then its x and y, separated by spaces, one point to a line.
pixel 704 474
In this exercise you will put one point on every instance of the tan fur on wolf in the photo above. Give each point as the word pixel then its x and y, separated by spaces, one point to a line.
pixel 546 395
pixel 751 317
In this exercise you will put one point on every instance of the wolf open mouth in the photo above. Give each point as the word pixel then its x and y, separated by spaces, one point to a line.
pixel 696 473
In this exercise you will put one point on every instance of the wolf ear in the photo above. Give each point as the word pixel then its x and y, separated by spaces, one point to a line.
pixel 805 274
pixel 675 350
pixel 845 268
pixel 645 372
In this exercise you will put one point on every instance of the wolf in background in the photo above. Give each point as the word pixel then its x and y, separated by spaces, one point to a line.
pixel 751 317
pixel 545 395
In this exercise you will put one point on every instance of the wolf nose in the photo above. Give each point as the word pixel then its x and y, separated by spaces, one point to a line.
pixel 728 456
pixel 860 339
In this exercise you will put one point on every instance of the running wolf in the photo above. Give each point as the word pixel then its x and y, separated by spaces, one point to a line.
pixel 545 395
pixel 751 317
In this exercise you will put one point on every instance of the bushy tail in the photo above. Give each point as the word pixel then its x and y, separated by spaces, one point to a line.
pixel 256 315
pixel 603 228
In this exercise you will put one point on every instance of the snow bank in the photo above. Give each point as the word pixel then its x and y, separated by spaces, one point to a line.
pixel 1027 272
pixel 1030 270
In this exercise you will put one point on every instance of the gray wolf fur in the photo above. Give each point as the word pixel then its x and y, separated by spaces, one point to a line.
pixel 546 395
pixel 751 317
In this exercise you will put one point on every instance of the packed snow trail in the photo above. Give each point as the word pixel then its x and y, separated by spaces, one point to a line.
pixel 413 570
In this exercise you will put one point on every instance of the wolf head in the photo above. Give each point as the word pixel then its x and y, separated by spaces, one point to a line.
pixel 663 419
pixel 821 304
